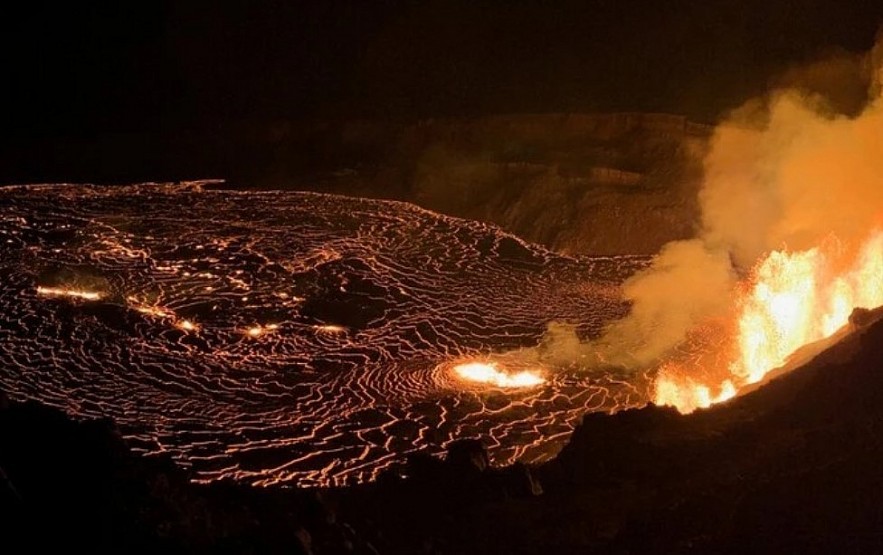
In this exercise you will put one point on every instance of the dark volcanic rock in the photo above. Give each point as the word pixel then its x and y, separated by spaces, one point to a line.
pixel 77 485
pixel 467 455
pixel 862 317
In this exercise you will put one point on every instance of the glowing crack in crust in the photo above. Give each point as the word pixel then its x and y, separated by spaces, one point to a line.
pixel 290 337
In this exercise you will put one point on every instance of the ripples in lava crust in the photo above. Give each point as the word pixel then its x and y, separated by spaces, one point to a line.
pixel 288 337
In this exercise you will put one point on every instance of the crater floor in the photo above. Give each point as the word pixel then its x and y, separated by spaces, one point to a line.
pixel 279 337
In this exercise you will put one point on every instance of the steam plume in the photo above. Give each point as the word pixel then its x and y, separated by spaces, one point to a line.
pixel 785 171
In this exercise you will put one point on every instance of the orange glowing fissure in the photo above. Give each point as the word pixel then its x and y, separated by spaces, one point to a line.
pixel 790 300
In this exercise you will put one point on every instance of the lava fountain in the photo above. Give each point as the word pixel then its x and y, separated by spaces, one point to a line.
pixel 790 300
pixel 792 195
pixel 798 298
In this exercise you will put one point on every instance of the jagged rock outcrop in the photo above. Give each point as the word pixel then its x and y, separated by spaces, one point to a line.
pixel 76 486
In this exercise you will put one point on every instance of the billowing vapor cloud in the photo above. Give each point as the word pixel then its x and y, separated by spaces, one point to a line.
pixel 785 171
pixel 687 283
pixel 802 176
pixel 839 80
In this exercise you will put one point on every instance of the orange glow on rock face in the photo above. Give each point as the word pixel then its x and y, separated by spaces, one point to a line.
pixel 790 300
pixel 489 373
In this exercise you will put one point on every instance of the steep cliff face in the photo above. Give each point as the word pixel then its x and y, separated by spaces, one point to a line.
pixel 580 184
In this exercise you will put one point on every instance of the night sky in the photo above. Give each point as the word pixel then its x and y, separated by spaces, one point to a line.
pixel 78 70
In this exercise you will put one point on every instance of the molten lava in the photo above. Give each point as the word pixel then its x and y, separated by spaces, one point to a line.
pixel 790 300
pixel 489 373
pixel 66 292
pixel 156 311
pixel 186 325
pixel 360 309
pixel 259 330
pixel 150 310
pixel 330 328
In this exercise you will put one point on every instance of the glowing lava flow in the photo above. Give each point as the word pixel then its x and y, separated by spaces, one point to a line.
pixel 65 292
pixel 259 330
pixel 675 389
pixel 163 313
pixel 489 373
pixel 281 337
pixel 150 310
pixel 792 299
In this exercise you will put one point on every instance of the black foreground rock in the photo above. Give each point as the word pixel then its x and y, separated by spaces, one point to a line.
pixel 793 467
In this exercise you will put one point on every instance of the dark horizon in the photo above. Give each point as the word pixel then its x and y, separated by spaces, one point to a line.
pixel 145 65
pixel 168 91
